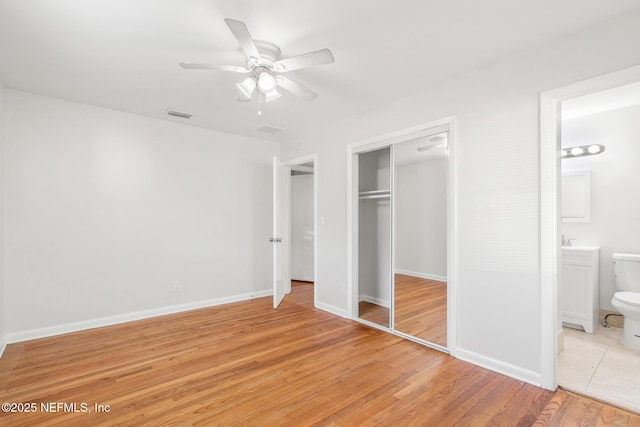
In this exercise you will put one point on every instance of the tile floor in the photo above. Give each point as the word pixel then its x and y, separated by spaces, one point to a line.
pixel 599 366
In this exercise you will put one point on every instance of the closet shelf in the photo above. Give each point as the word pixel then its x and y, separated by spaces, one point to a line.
pixel 374 194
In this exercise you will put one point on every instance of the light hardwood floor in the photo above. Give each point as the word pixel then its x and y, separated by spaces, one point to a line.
pixel 247 364
pixel 420 308
pixel 374 313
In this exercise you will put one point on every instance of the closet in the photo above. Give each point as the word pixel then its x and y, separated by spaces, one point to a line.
pixel 400 235
pixel 374 236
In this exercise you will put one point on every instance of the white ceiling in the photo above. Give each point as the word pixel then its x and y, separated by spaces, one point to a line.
pixel 124 54
pixel 599 102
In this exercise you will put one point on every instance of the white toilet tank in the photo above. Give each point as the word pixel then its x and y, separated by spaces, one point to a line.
pixel 626 269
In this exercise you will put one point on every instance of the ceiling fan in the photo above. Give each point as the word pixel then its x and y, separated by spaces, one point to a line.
pixel 265 67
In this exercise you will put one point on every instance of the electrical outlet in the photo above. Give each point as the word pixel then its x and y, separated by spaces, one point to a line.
pixel 343 290
pixel 177 287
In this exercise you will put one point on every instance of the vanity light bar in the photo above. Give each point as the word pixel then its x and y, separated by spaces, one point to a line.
pixel 582 150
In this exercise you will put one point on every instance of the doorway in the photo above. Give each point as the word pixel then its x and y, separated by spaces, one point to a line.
pixel 551 222
pixel 294 225
pixel 599 211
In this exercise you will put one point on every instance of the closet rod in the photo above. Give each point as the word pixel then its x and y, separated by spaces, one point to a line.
pixel 366 193
pixel 376 196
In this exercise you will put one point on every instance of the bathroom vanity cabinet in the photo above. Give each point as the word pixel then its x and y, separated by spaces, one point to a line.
pixel 580 287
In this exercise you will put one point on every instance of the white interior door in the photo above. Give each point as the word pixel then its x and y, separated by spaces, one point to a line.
pixel 279 240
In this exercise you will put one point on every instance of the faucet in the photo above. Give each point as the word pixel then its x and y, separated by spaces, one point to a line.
pixel 567 242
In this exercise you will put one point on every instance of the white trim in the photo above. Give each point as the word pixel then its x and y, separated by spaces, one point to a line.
pixel 375 300
pixel 426 129
pixel 560 342
pixel 50 331
pixel 331 309
pixel 3 344
pixel 421 275
pixel 549 212
pixel 500 367
pixel 392 233
pixel 352 235
pixel 452 240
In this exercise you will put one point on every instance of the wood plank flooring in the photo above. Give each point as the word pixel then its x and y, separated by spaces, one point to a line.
pixel 246 364
pixel 420 308
pixel 374 313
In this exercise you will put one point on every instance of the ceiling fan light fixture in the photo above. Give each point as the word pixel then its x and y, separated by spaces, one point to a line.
pixel 272 96
pixel 263 59
pixel 267 83
pixel 247 86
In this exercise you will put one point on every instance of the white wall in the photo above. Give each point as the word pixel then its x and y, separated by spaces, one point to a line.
pixel 421 219
pixel 615 196
pixel 3 304
pixel 497 195
pixel 105 210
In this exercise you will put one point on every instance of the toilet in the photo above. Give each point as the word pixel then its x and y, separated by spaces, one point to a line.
pixel 626 269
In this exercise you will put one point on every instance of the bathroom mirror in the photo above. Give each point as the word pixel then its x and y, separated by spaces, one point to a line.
pixel 420 238
pixel 576 196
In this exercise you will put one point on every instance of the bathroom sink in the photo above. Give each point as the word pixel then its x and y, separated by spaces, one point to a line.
pixel 580 248
pixel 580 286
pixel 580 255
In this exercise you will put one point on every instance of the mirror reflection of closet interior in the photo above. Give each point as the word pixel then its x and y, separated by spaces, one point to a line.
pixel 402 237
pixel 420 237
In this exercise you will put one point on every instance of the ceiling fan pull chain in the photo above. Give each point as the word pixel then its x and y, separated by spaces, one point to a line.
pixel 259 103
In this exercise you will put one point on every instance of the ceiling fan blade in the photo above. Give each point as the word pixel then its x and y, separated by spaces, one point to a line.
pixel 296 88
pixel 241 33
pixel 311 59
pixel 194 66
pixel 243 99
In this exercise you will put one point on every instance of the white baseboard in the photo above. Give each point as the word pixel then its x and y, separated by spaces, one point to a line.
pixel 50 331
pixel 500 367
pixel 375 300
pixel 3 344
pixel 331 309
pixel 422 275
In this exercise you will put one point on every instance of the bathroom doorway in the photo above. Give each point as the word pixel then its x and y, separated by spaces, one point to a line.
pixel 594 362
pixel 590 211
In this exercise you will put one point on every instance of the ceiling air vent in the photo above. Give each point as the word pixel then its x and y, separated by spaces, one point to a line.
pixel 180 114
pixel 271 130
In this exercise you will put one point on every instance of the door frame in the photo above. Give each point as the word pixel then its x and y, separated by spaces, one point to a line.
pixel 550 212
pixel 288 164
pixel 390 139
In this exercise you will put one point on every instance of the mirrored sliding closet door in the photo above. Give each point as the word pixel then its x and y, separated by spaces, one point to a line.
pixel 402 236
pixel 420 238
